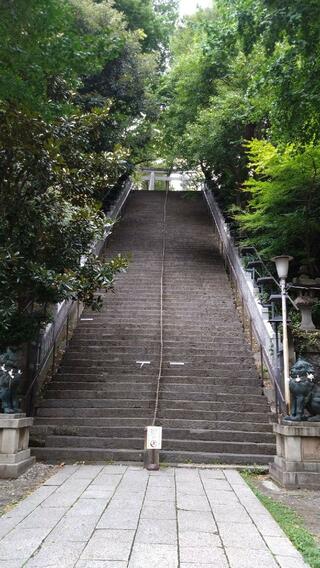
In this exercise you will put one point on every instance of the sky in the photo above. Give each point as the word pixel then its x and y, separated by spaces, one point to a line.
pixel 190 6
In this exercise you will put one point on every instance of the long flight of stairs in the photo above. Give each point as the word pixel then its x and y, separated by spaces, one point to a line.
pixel 212 407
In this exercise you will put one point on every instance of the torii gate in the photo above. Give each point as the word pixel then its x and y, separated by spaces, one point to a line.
pixel 153 175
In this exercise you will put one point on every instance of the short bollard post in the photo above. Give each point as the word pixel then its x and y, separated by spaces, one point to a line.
pixel 151 460
pixel 152 445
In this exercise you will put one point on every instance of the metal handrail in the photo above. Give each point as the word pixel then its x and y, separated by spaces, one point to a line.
pixel 259 326
pixel 259 257
pixel 46 347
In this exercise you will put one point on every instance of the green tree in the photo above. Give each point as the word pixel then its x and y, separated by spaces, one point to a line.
pixel 247 70
pixel 45 52
pixel 156 18
pixel 76 108
pixel 208 110
pixel 289 33
pixel 50 219
pixel 283 211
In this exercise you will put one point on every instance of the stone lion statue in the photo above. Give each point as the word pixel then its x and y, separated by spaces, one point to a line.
pixel 305 390
pixel 9 382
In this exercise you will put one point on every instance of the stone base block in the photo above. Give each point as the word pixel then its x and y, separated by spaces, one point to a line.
pixel 295 479
pixel 297 464
pixel 13 470
pixel 15 456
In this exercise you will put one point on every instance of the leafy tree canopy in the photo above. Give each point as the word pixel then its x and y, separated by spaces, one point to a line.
pixel 244 83
pixel 156 18
pixel 284 206
pixel 77 107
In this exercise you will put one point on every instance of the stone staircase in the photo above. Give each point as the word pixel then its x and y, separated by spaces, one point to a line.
pixel 212 408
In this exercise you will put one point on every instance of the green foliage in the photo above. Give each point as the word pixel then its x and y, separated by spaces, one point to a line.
pixel 126 83
pixel 45 50
pixel 292 39
pixel 284 204
pixel 76 111
pixel 50 218
pixel 306 341
pixel 247 71
pixel 208 111
pixel 156 18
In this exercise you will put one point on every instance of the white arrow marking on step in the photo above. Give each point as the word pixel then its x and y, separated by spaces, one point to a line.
pixel 142 363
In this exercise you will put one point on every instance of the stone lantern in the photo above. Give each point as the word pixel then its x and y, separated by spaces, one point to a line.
pixel 305 302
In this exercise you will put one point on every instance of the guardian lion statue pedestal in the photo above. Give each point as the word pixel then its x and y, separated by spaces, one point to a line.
pixel 15 456
pixel 297 463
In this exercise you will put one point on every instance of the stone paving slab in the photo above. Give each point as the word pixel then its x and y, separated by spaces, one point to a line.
pixel 118 516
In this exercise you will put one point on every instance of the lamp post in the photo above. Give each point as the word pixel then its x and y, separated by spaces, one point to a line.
pixel 282 266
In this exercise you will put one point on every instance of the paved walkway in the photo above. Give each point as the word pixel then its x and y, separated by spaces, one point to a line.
pixel 120 516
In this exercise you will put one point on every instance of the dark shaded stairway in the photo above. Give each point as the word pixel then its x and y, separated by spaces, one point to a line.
pixel 211 408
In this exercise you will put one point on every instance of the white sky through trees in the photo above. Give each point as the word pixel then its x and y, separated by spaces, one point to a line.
pixel 189 6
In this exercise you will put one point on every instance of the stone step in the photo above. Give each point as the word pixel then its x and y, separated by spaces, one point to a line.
pixel 215 458
pixel 88 403
pixel 211 408
pixel 211 415
pixel 132 342
pixel 201 324
pixel 121 388
pixel 186 350
pixel 147 334
pixel 123 302
pixel 222 303
pixel 146 326
pixel 136 412
pixel 146 374
pixel 168 444
pixel 218 396
pixel 192 361
pixel 71 455
pixel 143 421
pixel 224 403
pixel 164 404
pixel 189 326
pixel 120 340
pixel 113 421
pixel 207 316
pixel 147 394
pixel 226 368
pixel 39 431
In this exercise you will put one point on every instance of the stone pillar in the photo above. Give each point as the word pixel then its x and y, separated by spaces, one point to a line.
pixel 151 182
pixel 297 463
pixel 15 456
